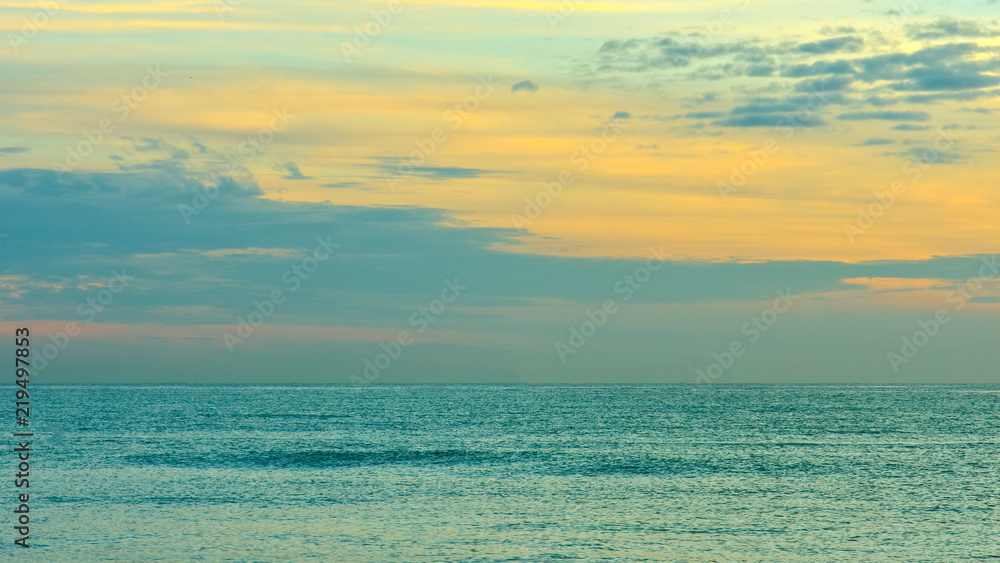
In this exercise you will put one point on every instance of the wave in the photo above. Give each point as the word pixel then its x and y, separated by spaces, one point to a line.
pixel 327 458
pixel 532 461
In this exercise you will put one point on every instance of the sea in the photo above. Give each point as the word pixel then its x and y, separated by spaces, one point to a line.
pixel 503 473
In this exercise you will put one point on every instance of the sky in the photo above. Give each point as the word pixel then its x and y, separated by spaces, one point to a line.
pixel 241 191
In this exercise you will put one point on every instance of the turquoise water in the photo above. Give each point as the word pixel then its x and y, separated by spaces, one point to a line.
pixel 513 473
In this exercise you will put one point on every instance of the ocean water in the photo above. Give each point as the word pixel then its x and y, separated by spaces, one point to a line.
pixel 512 473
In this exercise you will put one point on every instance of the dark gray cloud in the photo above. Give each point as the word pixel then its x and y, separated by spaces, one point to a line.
pixel 705 98
pixel 765 106
pixel 948 96
pixel 614 45
pixel 929 155
pixel 769 120
pixel 704 114
pixel 961 70
pixel 872 142
pixel 909 127
pixel 621 115
pixel 885 115
pixel 953 66
pixel 293 172
pixel 451 172
pixel 794 111
pixel 13 150
pixel 818 68
pixel 956 77
pixel 526 86
pixel 879 101
pixel 400 167
pixel 849 43
pixel 830 84
pixel 796 103
pixel 157 144
pixel 946 28
pixel 760 71
pixel 673 52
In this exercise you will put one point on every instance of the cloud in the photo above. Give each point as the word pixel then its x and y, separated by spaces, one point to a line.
pixel 953 66
pixel 818 68
pixel 614 45
pixel 879 101
pixel 451 172
pixel 525 85
pixel 704 114
pixel 769 120
pixel 928 155
pixel 844 43
pixel 937 97
pixel 885 115
pixel 945 28
pixel 946 78
pixel 960 70
pixel 181 264
pixel 760 70
pixel 793 111
pixel 400 166
pixel 293 172
pixel 909 127
pixel 871 142
pixel 157 144
pixel 384 251
pixel 796 104
pixel 703 98
pixel 621 115
pixel 831 84
pixel 664 52
pixel 252 251
pixel 13 150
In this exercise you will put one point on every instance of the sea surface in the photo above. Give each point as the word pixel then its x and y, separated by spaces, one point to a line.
pixel 511 473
